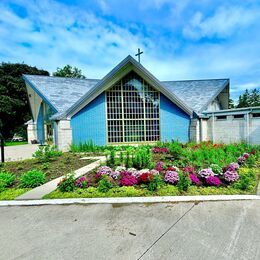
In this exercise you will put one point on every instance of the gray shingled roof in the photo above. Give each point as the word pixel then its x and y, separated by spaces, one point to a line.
pixel 62 93
pixel 196 93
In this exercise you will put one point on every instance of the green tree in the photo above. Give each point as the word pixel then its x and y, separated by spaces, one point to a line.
pixel 69 72
pixel 249 99
pixel 14 105
pixel 231 103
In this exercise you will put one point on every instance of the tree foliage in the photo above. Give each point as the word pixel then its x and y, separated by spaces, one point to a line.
pixel 14 106
pixel 69 72
pixel 249 99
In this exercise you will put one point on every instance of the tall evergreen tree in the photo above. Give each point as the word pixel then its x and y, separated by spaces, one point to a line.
pixel 14 106
pixel 249 99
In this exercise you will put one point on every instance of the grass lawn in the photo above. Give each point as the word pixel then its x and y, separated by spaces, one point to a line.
pixel 55 167
pixel 15 143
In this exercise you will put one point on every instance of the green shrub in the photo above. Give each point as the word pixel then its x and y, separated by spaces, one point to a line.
pixel 32 179
pixel 112 159
pixel 156 183
pixel 128 159
pixel 247 179
pixel 216 169
pixel 142 158
pixel 45 153
pixel 7 179
pixel 2 186
pixel 105 184
pixel 67 184
pixel 184 182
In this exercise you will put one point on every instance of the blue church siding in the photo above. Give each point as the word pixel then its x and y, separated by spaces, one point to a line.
pixel 89 124
pixel 174 123
pixel 40 126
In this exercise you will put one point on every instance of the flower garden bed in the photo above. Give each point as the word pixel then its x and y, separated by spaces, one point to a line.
pixel 168 170
pixel 19 177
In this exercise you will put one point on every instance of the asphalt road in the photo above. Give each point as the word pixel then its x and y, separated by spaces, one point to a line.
pixel 212 230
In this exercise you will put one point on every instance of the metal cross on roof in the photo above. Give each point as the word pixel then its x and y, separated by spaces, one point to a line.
pixel 139 54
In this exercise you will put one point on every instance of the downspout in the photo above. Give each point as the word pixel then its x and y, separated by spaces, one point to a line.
pixel 247 126
pixel 213 128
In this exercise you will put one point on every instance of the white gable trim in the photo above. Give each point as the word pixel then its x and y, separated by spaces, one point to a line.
pixel 116 74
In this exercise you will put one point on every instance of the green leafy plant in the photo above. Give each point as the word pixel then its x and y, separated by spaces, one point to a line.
pixel 247 179
pixel 155 183
pixel 7 179
pixel 32 179
pixel 142 158
pixel 105 184
pixel 45 153
pixel 112 158
pixel 184 182
pixel 67 184
pixel 128 159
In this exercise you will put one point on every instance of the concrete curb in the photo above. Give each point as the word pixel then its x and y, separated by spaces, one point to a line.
pixel 129 200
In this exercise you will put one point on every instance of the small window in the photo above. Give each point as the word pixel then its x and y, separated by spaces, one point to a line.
pixel 238 116
pixel 256 114
pixel 221 117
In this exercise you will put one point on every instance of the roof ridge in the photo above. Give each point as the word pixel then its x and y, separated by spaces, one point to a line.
pixel 45 76
pixel 194 80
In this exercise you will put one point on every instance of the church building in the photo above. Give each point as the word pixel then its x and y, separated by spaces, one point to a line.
pixel 129 105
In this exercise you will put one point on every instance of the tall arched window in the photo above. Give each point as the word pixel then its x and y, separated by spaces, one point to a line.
pixel 132 111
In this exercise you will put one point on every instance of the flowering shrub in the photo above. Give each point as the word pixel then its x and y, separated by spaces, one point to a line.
pixel 213 181
pixel 216 169
pixel 81 182
pixel 171 177
pixel 159 166
pixel 231 176
pixel 128 179
pixel 205 173
pixel 233 167
pixel 145 177
pixel 160 150
pixel 194 179
pixel 133 171
pixel 103 170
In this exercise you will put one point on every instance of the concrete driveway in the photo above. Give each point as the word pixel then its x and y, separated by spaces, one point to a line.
pixel 212 230
pixel 20 152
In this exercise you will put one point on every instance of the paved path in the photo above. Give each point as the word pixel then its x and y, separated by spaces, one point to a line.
pixel 19 152
pixel 39 192
pixel 208 230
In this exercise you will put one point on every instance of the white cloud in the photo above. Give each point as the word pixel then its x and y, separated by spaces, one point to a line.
pixel 224 22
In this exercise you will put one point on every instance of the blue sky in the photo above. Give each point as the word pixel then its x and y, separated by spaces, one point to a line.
pixel 181 39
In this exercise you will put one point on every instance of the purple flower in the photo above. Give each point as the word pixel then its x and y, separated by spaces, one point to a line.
pixel 205 173
pixel 241 160
pixel 81 182
pixel 194 179
pixel 233 166
pixel 103 170
pixel 231 176
pixel 171 177
pixel 159 166
pixel 160 150
pixel 213 181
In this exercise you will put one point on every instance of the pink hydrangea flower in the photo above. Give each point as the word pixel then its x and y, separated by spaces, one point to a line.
pixel 171 177
pixel 159 166
pixel 231 176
